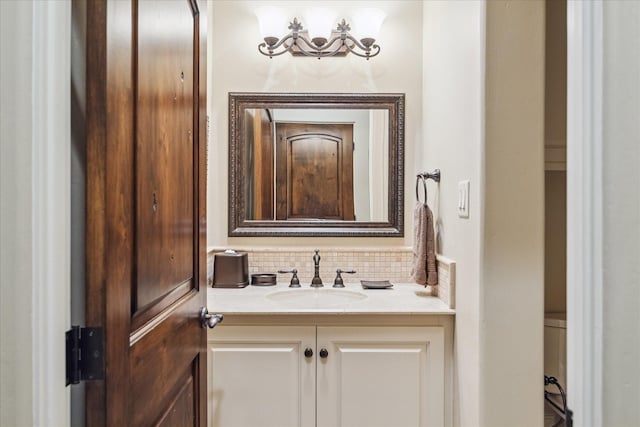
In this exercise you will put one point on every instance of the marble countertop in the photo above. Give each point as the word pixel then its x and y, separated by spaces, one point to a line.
pixel 403 298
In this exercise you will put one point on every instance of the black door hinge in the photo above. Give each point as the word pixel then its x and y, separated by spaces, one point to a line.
pixel 85 354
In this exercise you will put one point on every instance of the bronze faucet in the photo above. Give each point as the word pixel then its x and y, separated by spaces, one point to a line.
pixel 316 282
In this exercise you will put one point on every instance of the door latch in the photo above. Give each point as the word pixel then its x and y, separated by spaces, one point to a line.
pixel 210 320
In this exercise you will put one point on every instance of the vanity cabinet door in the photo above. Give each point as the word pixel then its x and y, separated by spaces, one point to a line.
pixel 380 376
pixel 260 376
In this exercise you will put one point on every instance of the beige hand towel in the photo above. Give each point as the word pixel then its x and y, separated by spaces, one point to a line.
pixel 424 256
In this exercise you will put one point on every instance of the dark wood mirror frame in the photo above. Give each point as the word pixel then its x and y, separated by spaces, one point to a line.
pixel 239 225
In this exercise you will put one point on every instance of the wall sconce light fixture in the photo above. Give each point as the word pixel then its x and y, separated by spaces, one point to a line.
pixel 318 40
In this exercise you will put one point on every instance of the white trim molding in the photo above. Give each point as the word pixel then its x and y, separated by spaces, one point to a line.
pixel 584 211
pixel 51 135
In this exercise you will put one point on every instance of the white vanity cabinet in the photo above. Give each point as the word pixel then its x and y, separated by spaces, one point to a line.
pixel 380 376
pixel 356 376
pixel 260 376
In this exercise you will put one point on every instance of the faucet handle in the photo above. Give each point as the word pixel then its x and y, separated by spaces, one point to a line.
pixel 295 282
pixel 338 282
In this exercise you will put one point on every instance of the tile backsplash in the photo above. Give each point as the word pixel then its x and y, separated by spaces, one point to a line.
pixel 393 264
pixel 446 289
pixel 370 264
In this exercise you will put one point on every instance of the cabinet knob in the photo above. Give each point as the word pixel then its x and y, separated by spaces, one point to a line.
pixel 324 353
pixel 308 352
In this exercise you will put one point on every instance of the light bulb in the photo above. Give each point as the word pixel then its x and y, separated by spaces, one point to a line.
pixel 319 23
pixel 272 22
pixel 367 23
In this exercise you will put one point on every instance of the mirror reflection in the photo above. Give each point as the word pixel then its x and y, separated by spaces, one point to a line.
pixel 316 164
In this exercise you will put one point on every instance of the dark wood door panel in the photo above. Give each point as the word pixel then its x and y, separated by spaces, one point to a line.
pixel 262 184
pixel 314 167
pixel 164 154
pixel 181 411
pixel 146 209
pixel 158 371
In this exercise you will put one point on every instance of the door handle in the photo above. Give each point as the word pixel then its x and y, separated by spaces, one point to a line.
pixel 324 353
pixel 210 320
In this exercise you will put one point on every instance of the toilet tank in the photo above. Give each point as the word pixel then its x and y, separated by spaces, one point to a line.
pixel 555 348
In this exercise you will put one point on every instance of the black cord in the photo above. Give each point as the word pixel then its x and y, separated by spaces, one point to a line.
pixel 563 410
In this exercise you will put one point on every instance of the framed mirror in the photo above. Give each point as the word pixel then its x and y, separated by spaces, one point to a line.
pixel 310 164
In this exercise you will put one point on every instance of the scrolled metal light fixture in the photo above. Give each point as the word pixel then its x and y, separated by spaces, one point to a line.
pixel 299 42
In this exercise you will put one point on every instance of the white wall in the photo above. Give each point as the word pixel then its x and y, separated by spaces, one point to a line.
pixel 483 118
pixel 621 213
pixel 34 215
pixel 236 66
pixel 15 210
pixel 453 108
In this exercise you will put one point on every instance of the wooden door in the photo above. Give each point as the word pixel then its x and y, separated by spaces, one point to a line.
pixel 382 376
pixel 314 171
pixel 146 219
pixel 261 376
pixel 260 147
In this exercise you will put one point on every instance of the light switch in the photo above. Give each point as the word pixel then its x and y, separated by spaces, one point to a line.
pixel 463 199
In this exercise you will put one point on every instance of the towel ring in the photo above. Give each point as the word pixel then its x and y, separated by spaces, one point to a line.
pixel 424 185
pixel 435 175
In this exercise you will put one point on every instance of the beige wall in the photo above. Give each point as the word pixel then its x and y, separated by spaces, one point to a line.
pixel 555 113
pixel 452 116
pixel 621 213
pixel 555 135
pixel 236 65
pixel 512 248
pixel 555 242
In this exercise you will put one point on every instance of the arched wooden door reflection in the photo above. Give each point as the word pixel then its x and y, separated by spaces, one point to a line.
pixel 314 171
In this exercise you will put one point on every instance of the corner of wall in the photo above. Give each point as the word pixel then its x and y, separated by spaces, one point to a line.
pixel 512 245
pixel 453 103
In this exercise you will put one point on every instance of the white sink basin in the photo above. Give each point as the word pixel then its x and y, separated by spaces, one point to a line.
pixel 316 298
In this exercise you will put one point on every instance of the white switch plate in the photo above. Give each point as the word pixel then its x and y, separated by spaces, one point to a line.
pixel 463 199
